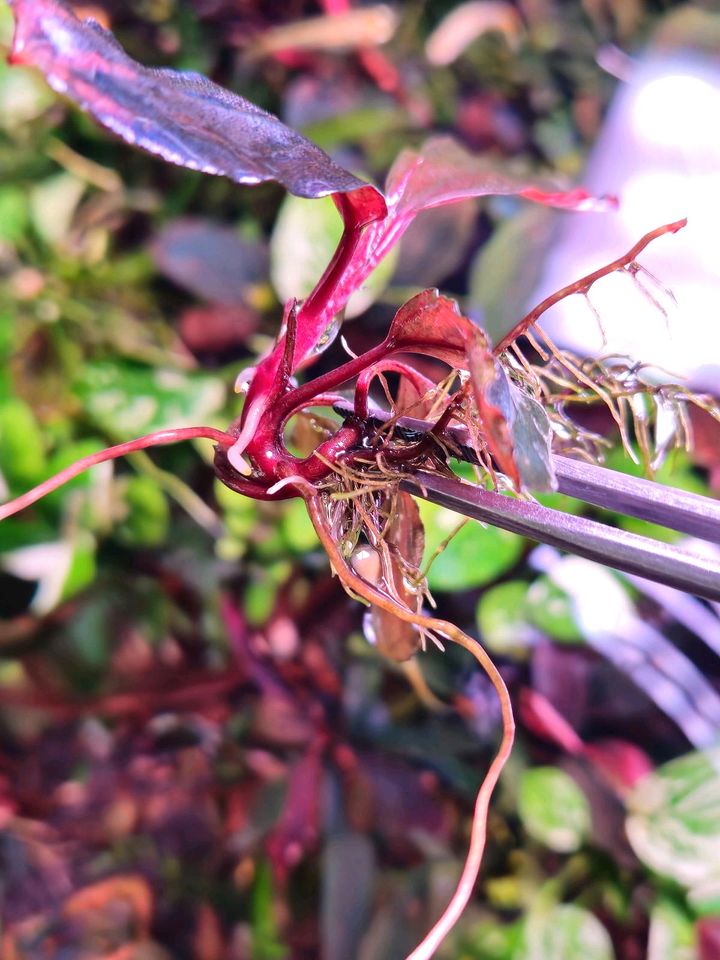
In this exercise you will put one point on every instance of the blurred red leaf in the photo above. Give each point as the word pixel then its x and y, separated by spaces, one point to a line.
pixel 708 938
pixel 298 828
pixel 216 328
pixel 620 762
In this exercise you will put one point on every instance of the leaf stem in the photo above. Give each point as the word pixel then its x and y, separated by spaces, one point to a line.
pixel 158 439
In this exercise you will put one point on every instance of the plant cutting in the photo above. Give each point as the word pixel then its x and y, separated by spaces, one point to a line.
pixel 513 399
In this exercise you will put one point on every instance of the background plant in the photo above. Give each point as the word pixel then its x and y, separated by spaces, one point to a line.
pixel 108 390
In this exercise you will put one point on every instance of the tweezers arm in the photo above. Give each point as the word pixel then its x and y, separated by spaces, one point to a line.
pixel 628 552
pixel 676 509
pixel 686 512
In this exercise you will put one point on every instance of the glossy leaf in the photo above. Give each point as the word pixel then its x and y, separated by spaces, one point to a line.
pixel 566 932
pixel 532 441
pixel 674 819
pixel 182 117
pixel 494 404
pixel 553 808
pixel 514 425
pixel 432 325
pixel 443 172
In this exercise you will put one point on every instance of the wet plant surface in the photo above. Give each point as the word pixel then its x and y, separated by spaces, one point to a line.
pixel 208 749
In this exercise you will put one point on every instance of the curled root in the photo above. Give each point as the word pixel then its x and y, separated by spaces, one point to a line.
pixel 357 586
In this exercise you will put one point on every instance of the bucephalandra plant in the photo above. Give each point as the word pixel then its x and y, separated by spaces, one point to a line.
pixel 513 398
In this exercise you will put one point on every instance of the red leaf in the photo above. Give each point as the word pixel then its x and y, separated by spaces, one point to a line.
pixel 443 172
pixel 298 828
pixel 394 638
pixel 182 117
pixel 621 763
pixel 432 325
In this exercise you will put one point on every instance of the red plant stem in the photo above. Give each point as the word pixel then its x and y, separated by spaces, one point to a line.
pixel 583 285
pixel 304 394
pixel 358 209
pixel 158 439
pixel 420 383
pixel 266 449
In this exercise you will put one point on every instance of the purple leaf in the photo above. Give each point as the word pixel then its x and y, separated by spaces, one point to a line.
pixel 182 117
pixel 209 260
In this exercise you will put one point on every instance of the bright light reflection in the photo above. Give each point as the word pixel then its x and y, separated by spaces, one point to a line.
pixel 660 152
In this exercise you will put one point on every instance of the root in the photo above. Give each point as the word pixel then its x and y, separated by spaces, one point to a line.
pixel 359 587
pixel 161 438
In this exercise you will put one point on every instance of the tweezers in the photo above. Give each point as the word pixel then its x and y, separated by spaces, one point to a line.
pixel 689 513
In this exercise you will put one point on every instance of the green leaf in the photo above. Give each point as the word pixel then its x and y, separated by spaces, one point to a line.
pixel 297 529
pixel 83 565
pixel 23 96
pixel 503 620
pixel 14 216
pixel 148 520
pixel 550 609
pixel 507 269
pixel 553 809
pixel 266 943
pixel 68 453
pixel 566 932
pixel 304 239
pixel 672 933
pixel 492 941
pixel 532 438
pixel 53 203
pixel 22 449
pixel 474 557
pixel 126 400
pixel 674 820
pixel 60 568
